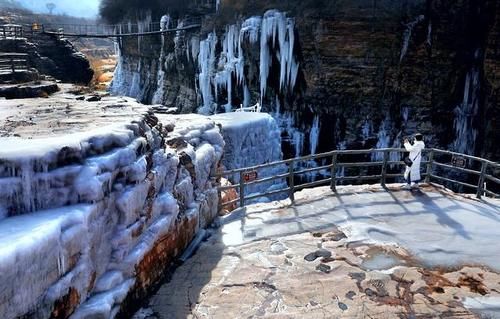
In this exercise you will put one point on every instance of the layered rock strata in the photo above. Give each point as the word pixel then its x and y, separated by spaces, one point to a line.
pixel 355 74
pixel 90 221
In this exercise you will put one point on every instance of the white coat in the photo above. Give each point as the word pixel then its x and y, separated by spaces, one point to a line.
pixel 416 156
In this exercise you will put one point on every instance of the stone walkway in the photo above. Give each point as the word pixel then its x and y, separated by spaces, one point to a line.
pixel 363 253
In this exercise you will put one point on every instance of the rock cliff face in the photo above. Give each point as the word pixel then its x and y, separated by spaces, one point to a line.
pixel 335 74
pixel 52 56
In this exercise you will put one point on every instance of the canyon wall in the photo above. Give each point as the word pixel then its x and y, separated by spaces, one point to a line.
pixel 336 74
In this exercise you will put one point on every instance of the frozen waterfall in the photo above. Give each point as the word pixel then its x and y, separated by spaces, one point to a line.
pixel 465 132
pixel 273 34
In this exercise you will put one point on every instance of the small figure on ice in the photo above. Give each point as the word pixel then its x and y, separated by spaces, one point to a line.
pixel 412 161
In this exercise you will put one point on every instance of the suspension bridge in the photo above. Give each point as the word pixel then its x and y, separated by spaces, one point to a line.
pixel 97 30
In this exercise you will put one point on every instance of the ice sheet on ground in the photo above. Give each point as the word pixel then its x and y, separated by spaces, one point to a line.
pixel 487 306
pixel 436 227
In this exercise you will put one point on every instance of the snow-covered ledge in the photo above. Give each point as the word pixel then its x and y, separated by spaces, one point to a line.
pixel 89 221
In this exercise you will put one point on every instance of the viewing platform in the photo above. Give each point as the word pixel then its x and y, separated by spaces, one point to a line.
pixel 362 252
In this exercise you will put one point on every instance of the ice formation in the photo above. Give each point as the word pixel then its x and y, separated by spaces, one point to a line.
pixel 274 33
pixel 314 135
pixel 206 63
pixel 85 209
pixel 407 35
pixel 384 139
pixel 161 74
pixel 436 227
pixel 465 113
pixel 252 139
pixel 366 130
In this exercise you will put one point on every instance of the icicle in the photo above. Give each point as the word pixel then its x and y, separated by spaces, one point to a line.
pixel 407 35
pixel 384 139
pixel 314 135
pixel 465 132
pixel 366 131
pixel 206 62
pixel 341 146
pixel 195 48
pixel 165 22
pixel 429 34
pixel 160 80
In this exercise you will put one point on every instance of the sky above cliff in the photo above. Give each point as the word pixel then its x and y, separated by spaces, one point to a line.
pixel 79 8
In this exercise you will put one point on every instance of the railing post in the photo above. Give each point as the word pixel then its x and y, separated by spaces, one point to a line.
pixel 384 168
pixel 242 189
pixel 12 66
pixel 333 172
pixel 291 181
pixel 428 171
pixel 480 186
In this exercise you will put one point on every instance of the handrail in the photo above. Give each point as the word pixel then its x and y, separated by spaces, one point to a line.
pixel 116 30
pixel 429 165
pixel 11 31
pixel 12 62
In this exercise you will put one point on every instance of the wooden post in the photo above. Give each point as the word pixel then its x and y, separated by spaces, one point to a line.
pixel 291 181
pixel 480 186
pixel 384 168
pixel 242 189
pixel 429 167
pixel 333 172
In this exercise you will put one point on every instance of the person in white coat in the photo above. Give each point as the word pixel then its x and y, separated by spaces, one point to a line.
pixel 412 174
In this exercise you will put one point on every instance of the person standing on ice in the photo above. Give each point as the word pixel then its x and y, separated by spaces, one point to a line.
pixel 412 172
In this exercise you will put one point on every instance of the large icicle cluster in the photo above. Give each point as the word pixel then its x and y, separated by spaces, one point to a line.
pixel 274 34
pixel 465 112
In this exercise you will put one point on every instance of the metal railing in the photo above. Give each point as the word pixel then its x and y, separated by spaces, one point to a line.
pixel 12 62
pixel 434 169
pixel 11 31
pixel 116 30
pixel 255 108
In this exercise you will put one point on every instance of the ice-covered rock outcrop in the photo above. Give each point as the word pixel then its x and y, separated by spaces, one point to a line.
pixel 252 139
pixel 92 219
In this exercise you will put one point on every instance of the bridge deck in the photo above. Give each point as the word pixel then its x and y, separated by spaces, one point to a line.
pixel 119 35
pixel 254 264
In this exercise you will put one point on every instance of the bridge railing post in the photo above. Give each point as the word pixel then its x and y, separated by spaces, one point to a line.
pixel 480 186
pixel 291 181
pixel 384 168
pixel 333 172
pixel 242 189
pixel 428 172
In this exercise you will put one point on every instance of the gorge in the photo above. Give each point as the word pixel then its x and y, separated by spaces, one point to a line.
pixel 337 74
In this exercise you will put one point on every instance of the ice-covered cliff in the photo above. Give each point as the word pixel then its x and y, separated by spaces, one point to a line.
pixel 352 74
pixel 252 139
pixel 93 218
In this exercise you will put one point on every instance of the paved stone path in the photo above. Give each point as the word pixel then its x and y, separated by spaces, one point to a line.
pixel 363 253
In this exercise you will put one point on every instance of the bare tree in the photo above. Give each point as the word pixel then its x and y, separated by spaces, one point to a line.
pixel 51 6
